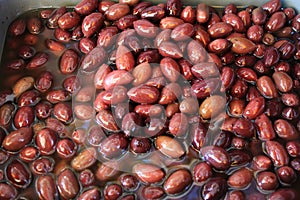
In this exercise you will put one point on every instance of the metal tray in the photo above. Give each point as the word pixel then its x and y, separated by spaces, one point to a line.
pixel 10 9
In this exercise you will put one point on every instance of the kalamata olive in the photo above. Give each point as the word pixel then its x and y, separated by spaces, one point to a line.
pixel 202 172
pixel 261 162
pixel 286 175
pixel 17 27
pixel 223 139
pixel 273 108
pixel 6 114
pixel 242 45
pixel 18 174
pixel 113 191
pixel 283 193
pixel 267 180
pixel 67 183
pixel 236 107
pixel 42 165
pixel 85 7
pixel 212 106
pixel 93 193
pixel 7 191
pixel 152 192
pixel 129 182
pixel 240 178
pixel 24 117
pixel 169 146
pixel 285 130
pixel 69 61
pixel 43 109
pixel 29 98
pixel 140 145
pixel 216 156
pixel 289 113
pixel 86 177
pixel 72 84
pixel 113 146
pixel 290 99
pixel 68 20
pixel 56 96
pixel 235 194
pixel 244 128
pixel 4 156
pixel 52 20
pixel 84 159
pixel 95 136
pixel 239 157
pixel 293 148
pixel 26 52
pixel 79 136
pixel 265 128
pixel 107 171
pixel 214 189
pixel 45 13
pixel 44 81
pixel 239 88
pixel 277 153
pixel 17 139
pixel 148 173
pixel 178 181
pixel 66 148
pixel 29 153
pixel 46 140
pixel 63 112
pixel 239 143
pixel 45 187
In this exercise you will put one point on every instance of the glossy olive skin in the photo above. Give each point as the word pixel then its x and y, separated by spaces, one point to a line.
pixel 46 140
pixel 240 178
pixel 177 182
pixel 68 185
pixel 16 140
pixel 202 172
pixel 215 188
pixel 152 192
pixel 216 156
pixel 272 182
pixel 113 146
pixel 18 174
pixel 7 191
pixel 113 191
pixel 148 173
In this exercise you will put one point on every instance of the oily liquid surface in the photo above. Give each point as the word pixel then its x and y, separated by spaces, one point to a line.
pixel 8 77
